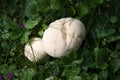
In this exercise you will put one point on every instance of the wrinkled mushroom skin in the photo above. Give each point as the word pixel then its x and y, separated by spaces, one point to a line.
pixel 75 33
pixel 63 35
pixel 34 50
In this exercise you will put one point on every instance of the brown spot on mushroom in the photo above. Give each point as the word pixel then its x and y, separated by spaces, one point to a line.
pixel 64 32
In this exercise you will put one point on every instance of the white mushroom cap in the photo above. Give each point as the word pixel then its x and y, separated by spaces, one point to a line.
pixel 63 35
pixel 34 50
pixel 54 42
pixel 75 31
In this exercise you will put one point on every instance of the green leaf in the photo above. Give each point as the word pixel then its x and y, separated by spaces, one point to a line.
pixel 94 77
pixel 83 9
pixel 31 8
pixel 71 70
pixel 6 23
pixel 40 33
pixel 115 54
pixel 31 23
pixel 113 38
pixel 4 45
pixel 118 46
pixel 12 67
pixel 52 67
pixel 74 78
pixel 1 60
pixel 44 5
pixel 28 74
pixel 78 61
pixel 85 76
pixel 52 78
pixel 88 59
pixel 5 34
pixel 115 65
pixel 100 1
pixel 4 68
pixel 104 32
pixel 55 4
pixel 45 26
pixel 25 37
pixel 101 58
pixel 117 77
pixel 103 75
pixel 15 35
pixel 10 24
pixel 72 11
pixel 42 29
pixel 113 19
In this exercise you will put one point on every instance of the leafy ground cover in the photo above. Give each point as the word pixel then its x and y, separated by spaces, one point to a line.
pixel 97 59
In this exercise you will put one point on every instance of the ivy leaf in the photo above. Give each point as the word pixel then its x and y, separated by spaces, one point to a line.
pixel 83 9
pixel 115 54
pixel 94 77
pixel 5 34
pixel 52 78
pixel 31 23
pixel 1 60
pixel 71 70
pixel 44 27
pixel 85 76
pixel 55 4
pixel 100 1
pixel 40 33
pixel 44 5
pixel 72 11
pixel 28 74
pixel 74 78
pixel 10 24
pixel 118 46
pixel 104 32
pixel 101 58
pixel 103 75
pixel 117 77
pixel 113 38
pixel 4 46
pixel 31 8
pixel 4 68
pixel 115 65
pixel 113 19
pixel 15 35
pixel 12 67
pixel 25 37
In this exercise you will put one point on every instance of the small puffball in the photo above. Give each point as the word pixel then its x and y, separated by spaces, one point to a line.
pixel 62 36
pixel 34 50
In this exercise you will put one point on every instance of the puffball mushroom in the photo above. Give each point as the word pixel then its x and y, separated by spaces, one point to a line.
pixel 62 36
pixel 34 50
